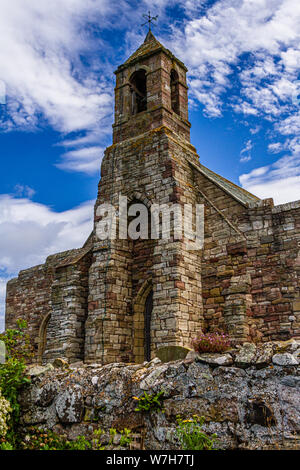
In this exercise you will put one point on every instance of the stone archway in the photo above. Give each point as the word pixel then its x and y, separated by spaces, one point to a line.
pixel 142 307
pixel 42 339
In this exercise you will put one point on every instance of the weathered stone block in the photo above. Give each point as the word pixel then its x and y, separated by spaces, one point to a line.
pixel 172 353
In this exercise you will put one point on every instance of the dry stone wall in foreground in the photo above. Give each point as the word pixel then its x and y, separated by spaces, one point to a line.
pixel 249 397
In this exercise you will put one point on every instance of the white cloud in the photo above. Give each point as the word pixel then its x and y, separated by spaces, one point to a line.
pixel 41 68
pixel 280 180
pixel 245 154
pixel 250 48
pixel 276 147
pixel 256 39
pixel 29 232
pixel 281 190
pixel 255 130
pixel 86 159
pixel 290 125
pixel 22 190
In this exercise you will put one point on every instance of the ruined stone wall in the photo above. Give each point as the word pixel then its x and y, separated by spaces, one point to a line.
pixel 29 296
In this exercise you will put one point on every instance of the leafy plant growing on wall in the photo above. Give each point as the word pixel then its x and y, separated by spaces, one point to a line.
pixel 12 374
pixel 149 402
pixel 39 439
pixel 191 435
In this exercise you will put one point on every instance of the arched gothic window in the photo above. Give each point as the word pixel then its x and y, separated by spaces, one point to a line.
pixel 43 337
pixel 138 85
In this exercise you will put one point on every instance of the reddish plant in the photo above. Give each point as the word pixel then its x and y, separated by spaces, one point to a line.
pixel 211 342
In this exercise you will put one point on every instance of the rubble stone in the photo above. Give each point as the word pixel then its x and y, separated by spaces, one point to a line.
pixel 284 359
pixel 247 408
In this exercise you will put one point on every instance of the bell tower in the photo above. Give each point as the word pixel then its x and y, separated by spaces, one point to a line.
pixel 151 91
pixel 145 293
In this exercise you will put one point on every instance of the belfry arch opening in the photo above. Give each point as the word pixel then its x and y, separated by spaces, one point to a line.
pixel 174 85
pixel 138 86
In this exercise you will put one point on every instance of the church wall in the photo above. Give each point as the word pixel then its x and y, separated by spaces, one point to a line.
pixel 251 278
pixel 108 329
pixel 28 296
pixel 143 169
pixel 274 255
pixel 224 277
pixel 66 327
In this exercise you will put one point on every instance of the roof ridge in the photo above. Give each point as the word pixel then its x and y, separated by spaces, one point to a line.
pixel 238 193
pixel 150 46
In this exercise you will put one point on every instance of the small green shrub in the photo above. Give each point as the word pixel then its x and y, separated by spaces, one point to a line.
pixel 39 439
pixel 99 435
pixel 6 446
pixel 191 436
pixel 126 438
pixel 17 342
pixel 97 440
pixel 150 402
pixel 12 374
pixel 12 378
pixel 80 443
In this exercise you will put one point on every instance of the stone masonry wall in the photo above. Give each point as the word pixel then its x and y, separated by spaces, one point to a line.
pixel 65 335
pixel 274 253
pixel 250 266
pixel 224 276
pixel 157 65
pixel 29 296
pixel 249 397
pixel 143 169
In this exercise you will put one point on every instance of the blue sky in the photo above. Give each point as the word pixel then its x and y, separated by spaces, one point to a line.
pixel 56 93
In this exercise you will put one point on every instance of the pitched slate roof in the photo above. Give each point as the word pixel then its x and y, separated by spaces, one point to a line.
pixel 238 193
pixel 76 255
pixel 149 47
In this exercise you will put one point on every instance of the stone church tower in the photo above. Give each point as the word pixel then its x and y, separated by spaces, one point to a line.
pixel 147 163
pixel 119 300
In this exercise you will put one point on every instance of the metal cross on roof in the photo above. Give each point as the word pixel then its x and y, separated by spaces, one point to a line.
pixel 149 19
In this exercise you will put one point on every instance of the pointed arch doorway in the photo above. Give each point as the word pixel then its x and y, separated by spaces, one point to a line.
pixel 142 321
pixel 147 326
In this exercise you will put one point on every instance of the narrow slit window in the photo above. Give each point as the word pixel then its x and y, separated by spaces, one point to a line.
pixel 147 326
pixel 174 84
